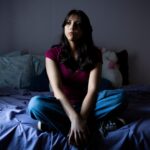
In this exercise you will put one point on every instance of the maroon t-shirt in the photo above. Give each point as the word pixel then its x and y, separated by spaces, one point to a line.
pixel 74 83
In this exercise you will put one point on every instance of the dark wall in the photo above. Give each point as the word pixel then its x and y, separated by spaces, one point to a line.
pixel 5 26
pixel 36 25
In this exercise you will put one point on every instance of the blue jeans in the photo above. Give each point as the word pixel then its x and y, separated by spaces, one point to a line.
pixel 49 110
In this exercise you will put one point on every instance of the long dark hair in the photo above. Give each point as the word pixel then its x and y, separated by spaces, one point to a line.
pixel 87 51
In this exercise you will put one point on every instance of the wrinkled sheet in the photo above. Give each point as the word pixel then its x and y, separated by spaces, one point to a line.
pixel 19 131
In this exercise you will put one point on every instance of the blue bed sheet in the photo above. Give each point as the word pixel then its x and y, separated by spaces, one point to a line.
pixel 19 131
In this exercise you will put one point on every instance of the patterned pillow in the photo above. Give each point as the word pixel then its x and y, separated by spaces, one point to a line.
pixel 122 62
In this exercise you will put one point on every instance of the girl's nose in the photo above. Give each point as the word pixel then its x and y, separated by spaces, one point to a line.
pixel 71 26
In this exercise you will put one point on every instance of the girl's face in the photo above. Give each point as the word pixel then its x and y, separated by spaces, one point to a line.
pixel 72 28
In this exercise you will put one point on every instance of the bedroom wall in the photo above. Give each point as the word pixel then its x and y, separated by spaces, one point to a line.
pixel 5 26
pixel 36 24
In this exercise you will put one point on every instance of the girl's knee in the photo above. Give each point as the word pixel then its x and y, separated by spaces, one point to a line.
pixel 35 102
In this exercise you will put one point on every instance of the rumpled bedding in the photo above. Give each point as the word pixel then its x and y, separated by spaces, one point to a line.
pixel 19 131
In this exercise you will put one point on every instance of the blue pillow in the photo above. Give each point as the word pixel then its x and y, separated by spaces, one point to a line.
pixel 16 72
pixel 40 81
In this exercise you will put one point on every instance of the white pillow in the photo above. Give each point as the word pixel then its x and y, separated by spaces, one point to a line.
pixel 110 69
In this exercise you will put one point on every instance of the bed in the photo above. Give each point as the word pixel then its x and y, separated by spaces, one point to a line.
pixel 19 131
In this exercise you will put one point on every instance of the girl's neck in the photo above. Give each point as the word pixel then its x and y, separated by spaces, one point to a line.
pixel 74 50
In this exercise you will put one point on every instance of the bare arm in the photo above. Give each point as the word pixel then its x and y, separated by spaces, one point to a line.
pixel 56 84
pixel 93 86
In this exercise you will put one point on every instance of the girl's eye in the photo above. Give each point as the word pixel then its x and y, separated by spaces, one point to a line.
pixel 68 22
pixel 78 23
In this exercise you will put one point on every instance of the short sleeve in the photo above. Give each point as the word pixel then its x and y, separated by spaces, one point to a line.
pixel 53 53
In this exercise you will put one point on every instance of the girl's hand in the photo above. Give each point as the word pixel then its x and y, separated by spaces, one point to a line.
pixel 79 131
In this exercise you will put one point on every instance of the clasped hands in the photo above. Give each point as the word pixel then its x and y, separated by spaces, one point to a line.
pixel 79 132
